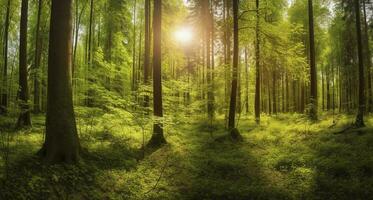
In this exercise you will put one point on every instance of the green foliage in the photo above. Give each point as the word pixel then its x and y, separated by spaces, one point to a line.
pixel 287 157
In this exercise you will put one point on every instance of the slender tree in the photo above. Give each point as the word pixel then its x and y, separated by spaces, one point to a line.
pixel 147 49
pixel 257 65
pixel 360 115
pixel 38 51
pixel 90 33
pixel 61 141
pixel 368 60
pixel 207 16
pixel 133 86
pixel 157 137
pixel 312 57
pixel 232 107
pixel 4 93
pixel 24 118
pixel 246 81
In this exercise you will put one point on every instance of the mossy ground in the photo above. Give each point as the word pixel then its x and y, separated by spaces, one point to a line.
pixel 286 157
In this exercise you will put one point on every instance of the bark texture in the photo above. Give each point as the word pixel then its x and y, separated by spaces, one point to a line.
pixel 61 142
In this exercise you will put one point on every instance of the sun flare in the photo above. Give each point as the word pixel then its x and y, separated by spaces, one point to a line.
pixel 184 34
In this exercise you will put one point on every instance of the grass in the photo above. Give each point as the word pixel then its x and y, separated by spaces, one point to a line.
pixel 286 157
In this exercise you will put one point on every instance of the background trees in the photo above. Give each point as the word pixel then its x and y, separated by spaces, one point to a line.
pixel 114 68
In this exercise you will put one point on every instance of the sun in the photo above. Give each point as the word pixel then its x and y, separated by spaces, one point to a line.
pixel 184 35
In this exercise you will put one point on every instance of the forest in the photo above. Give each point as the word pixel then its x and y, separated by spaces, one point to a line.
pixel 186 99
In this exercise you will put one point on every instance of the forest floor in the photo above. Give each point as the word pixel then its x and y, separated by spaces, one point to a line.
pixel 286 157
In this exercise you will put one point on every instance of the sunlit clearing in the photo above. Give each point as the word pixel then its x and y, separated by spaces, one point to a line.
pixel 184 35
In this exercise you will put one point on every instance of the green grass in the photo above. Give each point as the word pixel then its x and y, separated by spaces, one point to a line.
pixel 286 157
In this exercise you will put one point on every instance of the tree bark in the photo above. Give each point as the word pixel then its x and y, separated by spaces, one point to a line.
pixel 38 51
pixel 24 118
pixel 4 91
pixel 246 81
pixel 368 61
pixel 61 142
pixel 313 70
pixel 133 86
pixel 147 49
pixel 232 107
pixel 157 137
pixel 257 66
pixel 361 107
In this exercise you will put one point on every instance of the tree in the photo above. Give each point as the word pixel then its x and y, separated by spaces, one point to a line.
pixel 38 51
pixel 313 72
pixel 147 49
pixel 4 93
pixel 207 16
pixel 24 117
pixel 257 65
pixel 157 137
pixel 368 60
pixel 61 141
pixel 360 115
pixel 232 107
pixel 133 86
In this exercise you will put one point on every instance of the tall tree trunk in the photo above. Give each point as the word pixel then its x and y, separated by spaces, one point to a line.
pixel 257 66
pixel 232 107
pixel 147 50
pixel 368 61
pixel 207 38
pixel 228 54
pixel 360 115
pixel 133 86
pixel 61 141
pixel 89 78
pixel 24 118
pixel 246 81
pixel 313 70
pixel 38 51
pixel 90 33
pixel 4 92
pixel 157 137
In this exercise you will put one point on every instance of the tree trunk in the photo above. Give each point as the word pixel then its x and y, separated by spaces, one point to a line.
pixel 232 107
pixel 90 33
pixel 313 70
pixel 133 86
pixel 4 92
pixel 38 51
pixel 61 142
pixel 361 107
pixel 157 137
pixel 207 38
pixel 368 61
pixel 24 118
pixel 147 49
pixel 257 66
pixel 246 81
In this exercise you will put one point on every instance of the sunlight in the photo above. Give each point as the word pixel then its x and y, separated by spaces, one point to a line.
pixel 184 35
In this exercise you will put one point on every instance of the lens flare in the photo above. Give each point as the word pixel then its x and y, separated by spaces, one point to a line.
pixel 184 35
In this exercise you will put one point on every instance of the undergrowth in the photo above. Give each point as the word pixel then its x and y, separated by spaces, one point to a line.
pixel 286 157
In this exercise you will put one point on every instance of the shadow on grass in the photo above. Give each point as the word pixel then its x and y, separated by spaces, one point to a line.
pixel 344 165
pixel 220 169
pixel 91 178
